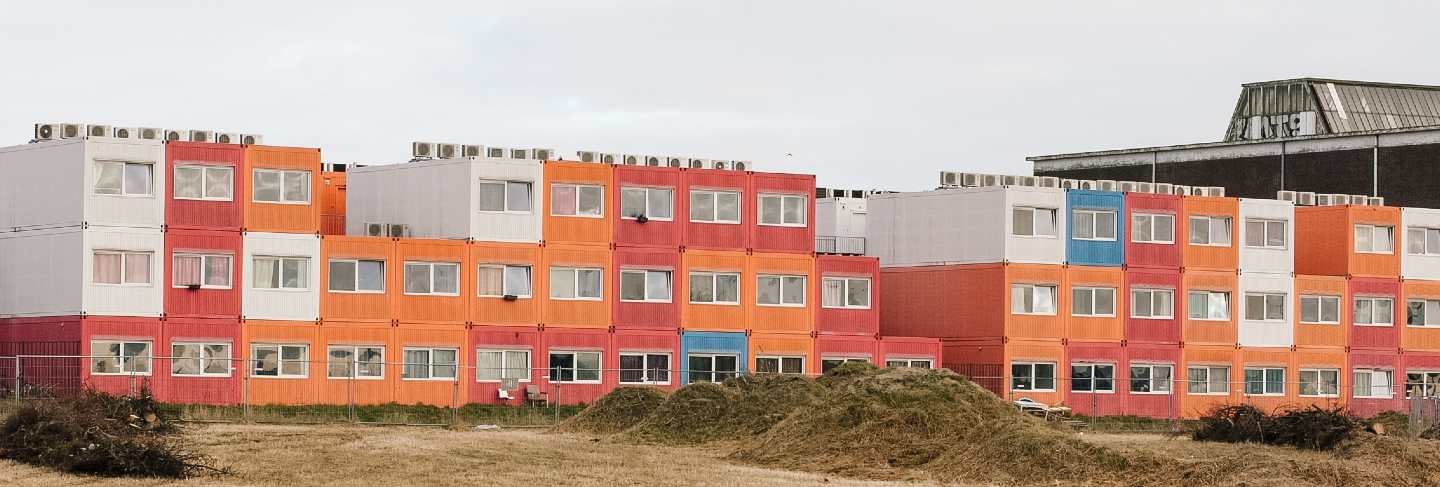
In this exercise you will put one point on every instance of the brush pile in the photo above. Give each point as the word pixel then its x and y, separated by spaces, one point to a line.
pixel 1312 428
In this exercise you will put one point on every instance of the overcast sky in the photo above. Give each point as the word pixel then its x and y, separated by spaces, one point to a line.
pixel 879 94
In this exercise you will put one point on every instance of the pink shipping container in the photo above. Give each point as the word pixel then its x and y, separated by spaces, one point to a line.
pixel 553 340
pixel 1379 396
pixel 1159 328
pixel 798 238
pixel 1091 356
pixel 1156 403
pixel 502 338
pixel 121 329
pixel 847 320
pixel 1376 336
pixel 910 348
pixel 1411 363
pixel 658 230
pixel 713 235
pixel 646 315
pixel 1165 255
pixel 52 335
pixel 648 343
pixel 207 385
pixel 832 350
pixel 204 253
pixel 218 204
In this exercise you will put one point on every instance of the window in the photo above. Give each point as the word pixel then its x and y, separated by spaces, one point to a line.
pixel 1150 379
pixel 281 272
pixel 1032 222
pixel 575 283
pixel 431 364
pixel 575 367
pixel 1210 230
pixel 1421 384
pixel 780 291
pixel 840 292
pixel 1320 382
pixel 1209 305
pixel 1208 380
pixel 1422 241
pixel 1265 234
pixel 493 365
pixel 1374 311
pixel 714 206
pixel 715 287
pixel 204 182
pixel 276 186
pixel 1265 306
pixel 206 271
pixel 830 363
pixel 357 276
pixel 1032 299
pixel 120 267
pixel 1372 383
pixel 652 203
pixel 360 362
pixel 1423 312
pixel 432 278
pixel 1320 309
pixel 280 360
pixel 1152 303
pixel 1092 377
pixel 504 196
pixel 112 357
pixel 1152 228
pixel 1265 381
pixel 1374 239
pixel 713 367
pixel 200 359
pixel 504 280
pixel 1092 301
pixel 123 178
pixel 1093 225
pixel 644 368
pixel 914 363
pixel 780 365
pixel 783 210
pixel 1031 376
pixel 577 200
pixel 645 286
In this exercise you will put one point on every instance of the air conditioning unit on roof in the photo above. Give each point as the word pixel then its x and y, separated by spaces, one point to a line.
pixel 1197 191
pixel 991 180
pixel 374 229
pixel 720 164
pixel 97 130
pixel 821 193
pixel 608 158
pixel 1305 198
pixel 176 135
pixel 1144 187
pixel 654 161
pixel 71 130
pixel 1164 188
pixel 742 165
pixel 521 154
pixel 1216 191
pixel 1129 186
pixel 47 131
pixel 422 150
pixel 1358 199
pixel 674 161
pixel 970 179
pixel 251 139
pixel 227 138
pixel 124 133
pixel 1069 184
pixel 496 152
pixel 543 154
pixel 588 156
pixel 1180 190
pixel 1085 184
pixel 1107 185
pixel 1007 180
pixel 200 136
pixel 694 163
pixel 1047 182
pixel 1375 200
pixel 398 230
pixel 631 159
pixel 447 151
pixel 1283 195
pixel 470 150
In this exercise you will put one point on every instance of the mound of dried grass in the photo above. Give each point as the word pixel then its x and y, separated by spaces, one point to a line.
pixel 617 411
pixel 740 407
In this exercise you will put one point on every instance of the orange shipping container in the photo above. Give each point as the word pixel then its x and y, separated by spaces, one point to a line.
pixel 354 375
pixel 282 358
pixel 1014 369
pixel 792 353
pixel 575 203
pixel 1209 378
pixel 284 184
pixel 332 193
pixel 716 311
pixel 576 297
pixel 1273 371
pixel 1347 241
pixel 1424 338
pixel 427 376
pixel 1209 230
pixel 433 281
pixel 362 296
pixel 973 301
pixel 777 314
pixel 1091 322
pixel 1203 324
pixel 1321 377
pixel 1322 330
pixel 491 262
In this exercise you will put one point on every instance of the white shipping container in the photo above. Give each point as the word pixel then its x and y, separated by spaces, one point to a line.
pixel 1420 242
pixel 441 199
pixel 1262 252
pixel 1261 332
pixel 54 184
pixel 58 276
pixel 968 225
pixel 840 222
pixel 296 304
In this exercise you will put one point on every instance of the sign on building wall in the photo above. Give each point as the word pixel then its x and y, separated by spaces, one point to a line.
pixel 1276 126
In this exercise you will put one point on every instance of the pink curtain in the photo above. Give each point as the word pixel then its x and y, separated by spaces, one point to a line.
pixel 187 270
pixel 217 272
pixel 106 269
pixel 562 200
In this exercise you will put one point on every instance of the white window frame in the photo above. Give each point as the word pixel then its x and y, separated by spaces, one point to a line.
pixel 1054 369
pixel 1094 299
pixel 575 276
pixel 645 275
pixel 780 363
pixel 1209 298
pixel 1092 366
pixel 645 378
pixel 845 292
pixel 690 373
pixel 1319 301
pixel 714 196
pixel 1169 385
pixel 577 187
pixel 1020 307
pixel 1284 299
pixel 121 192
pixel 126 365
pixel 1385 393
pixel 760 205
pixel 1150 219
pixel 714 277
pixel 205 181
pixel 430 365
pixel 280 360
pixel 575 370
pixel 505 365
pixel 650 193
pixel 505 282
pixel 1355 308
pixel 1190 380
pixel 330 278
pixel 804 290
pixel 1319 382
pixel 1427 236
pixel 303 262
pixel 1268 224
pixel 204 264
pixel 1094 225
pixel 1429 382
pixel 1427 318
pixel 203 357
pixel 1032 210
pixel 255 175
pixel 1265 372
pixel 505 197
pixel 405 287
pixel 354 365
pixel 1152 295
pixel 830 362
pixel 1374 229
pixel 124 265
pixel 1210 221
pixel 911 363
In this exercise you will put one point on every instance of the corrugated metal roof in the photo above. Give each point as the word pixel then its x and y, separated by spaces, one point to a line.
pixel 1315 106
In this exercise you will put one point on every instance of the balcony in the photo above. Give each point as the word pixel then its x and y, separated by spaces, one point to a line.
pixel 840 245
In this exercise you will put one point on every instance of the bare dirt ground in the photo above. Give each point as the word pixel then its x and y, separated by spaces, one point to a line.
pixel 293 456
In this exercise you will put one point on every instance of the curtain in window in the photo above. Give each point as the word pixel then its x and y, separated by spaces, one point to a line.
pixel 491 281
pixel 218 182
pixel 488 365
pixel 264 270
pixel 106 269
pixel 834 292
pixel 517 364
pixel 137 268
pixel 562 200
pixel 517 280
pixel 187 270
pixel 217 271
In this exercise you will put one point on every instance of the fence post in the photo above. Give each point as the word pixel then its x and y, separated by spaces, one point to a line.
pixel 244 391
pixel 455 400
pixel 17 380
pixel 350 388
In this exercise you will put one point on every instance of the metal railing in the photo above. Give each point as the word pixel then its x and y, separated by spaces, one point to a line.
pixel 830 244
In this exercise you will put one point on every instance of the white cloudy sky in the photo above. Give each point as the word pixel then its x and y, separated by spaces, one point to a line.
pixel 864 94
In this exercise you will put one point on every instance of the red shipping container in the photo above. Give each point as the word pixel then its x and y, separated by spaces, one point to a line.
pixel 1411 362
pixel 1153 255
pixel 713 231
pixel 1325 241
pixel 658 230
pixel 51 335
pixel 849 319
pixel 1162 400
pixel 646 314
pixel 921 301
pixel 501 339
pixel 1091 358
pixel 1160 328
pixel 832 350
pixel 194 297
pixel 648 343
pixel 119 329
pixel 1379 397
pixel 911 348
pixel 1375 336
pixel 563 340
pixel 782 238
pixel 210 208
pixel 199 381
